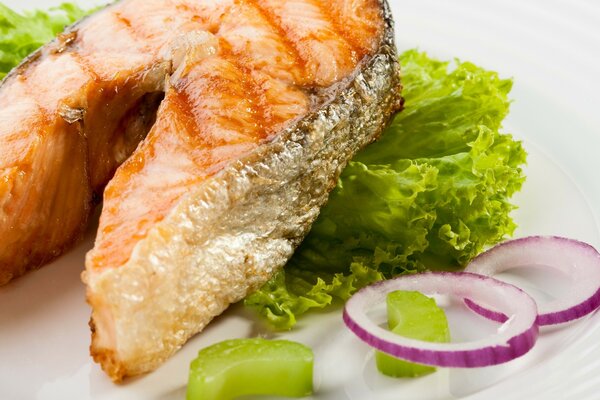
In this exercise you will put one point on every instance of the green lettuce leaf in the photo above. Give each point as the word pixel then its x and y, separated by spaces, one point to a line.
pixel 22 34
pixel 430 195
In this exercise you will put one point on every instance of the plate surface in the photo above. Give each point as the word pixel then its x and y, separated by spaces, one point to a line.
pixel 551 48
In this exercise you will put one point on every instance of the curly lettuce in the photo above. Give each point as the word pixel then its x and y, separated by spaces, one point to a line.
pixel 430 195
pixel 22 34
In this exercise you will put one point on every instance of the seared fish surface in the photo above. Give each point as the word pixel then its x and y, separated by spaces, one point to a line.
pixel 220 127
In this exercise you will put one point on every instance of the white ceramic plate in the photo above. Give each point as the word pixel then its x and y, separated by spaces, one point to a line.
pixel 552 49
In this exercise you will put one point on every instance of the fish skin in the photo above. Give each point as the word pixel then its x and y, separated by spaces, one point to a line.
pixel 229 235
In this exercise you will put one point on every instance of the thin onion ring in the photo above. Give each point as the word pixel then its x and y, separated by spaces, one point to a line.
pixel 515 338
pixel 579 261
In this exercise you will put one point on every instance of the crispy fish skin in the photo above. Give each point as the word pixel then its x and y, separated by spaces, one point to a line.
pixel 229 235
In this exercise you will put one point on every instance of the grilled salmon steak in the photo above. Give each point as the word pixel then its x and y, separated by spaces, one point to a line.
pixel 214 129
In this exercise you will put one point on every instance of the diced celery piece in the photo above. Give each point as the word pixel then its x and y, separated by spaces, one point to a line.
pixel 241 367
pixel 415 316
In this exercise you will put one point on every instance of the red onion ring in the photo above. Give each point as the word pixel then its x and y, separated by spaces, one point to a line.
pixel 515 338
pixel 577 260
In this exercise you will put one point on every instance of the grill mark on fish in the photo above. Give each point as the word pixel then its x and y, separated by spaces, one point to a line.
pixel 339 10
pixel 275 23
pixel 127 23
pixel 337 28
pixel 124 20
pixel 218 85
pixel 86 66
pixel 255 95
pixel 182 102
pixel 329 57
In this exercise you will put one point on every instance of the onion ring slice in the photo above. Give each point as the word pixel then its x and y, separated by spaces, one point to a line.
pixel 515 338
pixel 577 260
